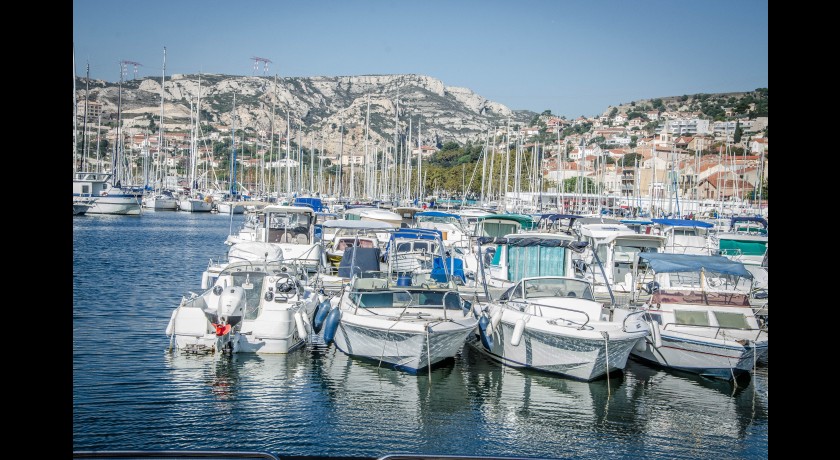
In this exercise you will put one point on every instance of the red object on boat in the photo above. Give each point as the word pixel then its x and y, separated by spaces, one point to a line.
pixel 222 330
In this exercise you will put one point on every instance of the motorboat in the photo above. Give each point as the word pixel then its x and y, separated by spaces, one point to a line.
pixel 547 319
pixel 105 197
pixel 698 311
pixel 253 307
pixel 409 322
pixel 292 228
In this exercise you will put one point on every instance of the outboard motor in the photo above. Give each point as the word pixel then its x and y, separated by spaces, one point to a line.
pixel 228 309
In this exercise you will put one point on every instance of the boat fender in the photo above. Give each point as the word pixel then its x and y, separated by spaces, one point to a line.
pixel 331 325
pixel 301 327
pixel 495 320
pixel 486 339
pixel 320 315
pixel 641 345
pixel 518 330
pixel 476 308
pixel 655 337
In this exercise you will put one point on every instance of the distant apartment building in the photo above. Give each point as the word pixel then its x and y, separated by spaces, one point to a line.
pixel 684 127
pixel 724 129
pixel 94 109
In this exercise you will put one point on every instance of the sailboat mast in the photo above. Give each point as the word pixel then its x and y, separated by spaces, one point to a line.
pixel 84 125
pixel 288 153
pixel 503 189
pixel 233 148
pixel 271 144
pixel 158 171
pixel 75 114
pixel 419 161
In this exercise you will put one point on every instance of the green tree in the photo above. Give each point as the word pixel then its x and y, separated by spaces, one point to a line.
pixel 586 185
pixel 738 132
pixel 630 159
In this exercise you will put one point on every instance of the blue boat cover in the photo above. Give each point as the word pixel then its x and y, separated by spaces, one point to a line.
pixel 436 214
pixel 356 261
pixel 760 220
pixel 663 262
pixel 683 223
pixel 417 233
pixel 314 203
pixel 577 246
pixel 439 272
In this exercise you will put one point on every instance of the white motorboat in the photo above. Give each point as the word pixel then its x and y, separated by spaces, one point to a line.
pixel 700 317
pixel 409 323
pixel 547 319
pixel 253 307
pixel 104 197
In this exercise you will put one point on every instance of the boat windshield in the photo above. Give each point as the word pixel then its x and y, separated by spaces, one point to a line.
pixel 289 227
pixel 556 287
pixel 449 300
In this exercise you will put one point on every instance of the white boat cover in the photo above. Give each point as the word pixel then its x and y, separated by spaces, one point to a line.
pixel 342 223
pixel 255 251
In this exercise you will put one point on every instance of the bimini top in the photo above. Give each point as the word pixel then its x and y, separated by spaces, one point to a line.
pixel 683 223
pixel 530 240
pixel 417 234
pixel 357 224
pixel 757 219
pixel 523 219
pixel 437 214
pixel 664 262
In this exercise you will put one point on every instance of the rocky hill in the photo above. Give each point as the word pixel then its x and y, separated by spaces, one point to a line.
pixel 319 105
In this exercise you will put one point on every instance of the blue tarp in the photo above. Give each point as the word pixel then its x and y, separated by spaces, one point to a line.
pixel 663 262
pixel 314 203
pixel 683 223
pixel 439 272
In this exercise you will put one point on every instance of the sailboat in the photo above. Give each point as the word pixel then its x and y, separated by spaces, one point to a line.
pixel 193 200
pixel 160 199
pixel 232 205
pixel 104 191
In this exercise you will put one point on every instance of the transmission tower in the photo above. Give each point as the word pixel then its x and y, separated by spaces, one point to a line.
pixel 123 65
pixel 257 61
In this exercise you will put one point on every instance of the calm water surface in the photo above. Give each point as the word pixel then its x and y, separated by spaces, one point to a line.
pixel 130 393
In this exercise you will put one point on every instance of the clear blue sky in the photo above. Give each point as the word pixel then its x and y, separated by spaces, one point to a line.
pixel 573 57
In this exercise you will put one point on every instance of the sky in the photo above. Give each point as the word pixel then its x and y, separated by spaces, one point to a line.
pixel 572 57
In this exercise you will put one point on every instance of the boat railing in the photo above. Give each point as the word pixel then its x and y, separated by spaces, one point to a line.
pixel 553 321
pixel 719 331
pixel 639 313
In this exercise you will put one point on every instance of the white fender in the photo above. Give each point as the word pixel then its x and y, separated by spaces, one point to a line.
pixel 170 328
pixel 307 323
pixel 476 310
pixel 641 345
pixel 655 335
pixel 518 330
pixel 301 327
pixel 496 318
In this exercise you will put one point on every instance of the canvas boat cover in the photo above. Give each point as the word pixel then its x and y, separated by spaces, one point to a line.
pixel 663 262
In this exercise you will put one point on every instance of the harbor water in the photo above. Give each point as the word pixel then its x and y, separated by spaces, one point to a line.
pixel 129 392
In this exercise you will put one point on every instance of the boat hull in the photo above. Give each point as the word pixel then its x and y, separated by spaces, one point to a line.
pixel 406 350
pixel 128 205
pixel 195 205
pixel 578 354
pixel 719 359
